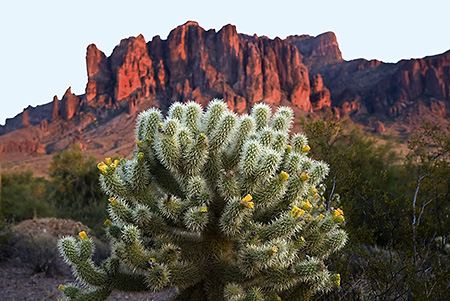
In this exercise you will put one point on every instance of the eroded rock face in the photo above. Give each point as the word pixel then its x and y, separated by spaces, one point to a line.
pixel 194 64
pixel 132 69
pixel 379 127
pixel 305 72
pixel 55 108
pixel 69 104
pixel 99 74
pixel 428 77
pixel 21 146
pixel 320 95
pixel 378 88
pixel 44 125
pixel 25 119
pixel 317 51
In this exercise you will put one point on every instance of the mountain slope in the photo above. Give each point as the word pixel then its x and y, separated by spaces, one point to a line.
pixel 307 73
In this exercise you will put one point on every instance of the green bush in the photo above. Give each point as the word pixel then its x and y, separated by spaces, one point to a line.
pixel 24 196
pixel 364 173
pixel 397 211
pixel 74 188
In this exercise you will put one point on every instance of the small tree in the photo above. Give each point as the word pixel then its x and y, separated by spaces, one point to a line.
pixel 364 172
pixel 429 207
pixel 219 206
pixel 74 187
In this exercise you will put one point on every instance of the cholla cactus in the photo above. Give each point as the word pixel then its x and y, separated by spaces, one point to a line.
pixel 219 206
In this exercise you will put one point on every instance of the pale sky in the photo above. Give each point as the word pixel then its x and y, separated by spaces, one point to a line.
pixel 43 43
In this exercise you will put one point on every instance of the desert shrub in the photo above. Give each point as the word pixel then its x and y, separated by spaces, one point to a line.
pixel 38 252
pixel 364 173
pixel 6 248
pixel 397 211
pixel 24 196
pixel 74 188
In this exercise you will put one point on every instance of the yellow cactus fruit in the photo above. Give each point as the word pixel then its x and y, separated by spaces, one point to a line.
pixel 284 176
pixel 247 198
pixel 339 218
pixel 297 212
pixel 338 212
pixel 83 235
pixel 306 149
pixel 305 176
pixel 306 205
pixel 246 202
pixel 338 215
pixel 204 209
pixel 112 201
pixel 140 156
pixel 336 279
pixel 102 167
pixel 313 191
pixel 273 250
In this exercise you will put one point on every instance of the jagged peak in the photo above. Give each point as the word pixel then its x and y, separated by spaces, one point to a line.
pixel 317 50
pixel 131 40
pixel 328 33
pixel 68 92
pixel 140 37
pixel 191 23
pixel 307 36
pixel 92 46
pixel 185 26
pixel 92 50
pixel 229 28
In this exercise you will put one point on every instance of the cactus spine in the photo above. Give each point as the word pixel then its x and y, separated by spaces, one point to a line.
pixel 219 206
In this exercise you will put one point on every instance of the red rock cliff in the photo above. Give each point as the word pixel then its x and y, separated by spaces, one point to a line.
pixel 385 89
pixel 317 51
pixel 194 64
pixel 98 72
pixel 69 104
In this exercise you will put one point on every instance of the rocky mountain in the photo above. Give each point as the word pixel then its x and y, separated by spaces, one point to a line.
pixel 307 73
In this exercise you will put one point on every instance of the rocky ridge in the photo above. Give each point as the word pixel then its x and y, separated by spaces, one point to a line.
pixel 307 73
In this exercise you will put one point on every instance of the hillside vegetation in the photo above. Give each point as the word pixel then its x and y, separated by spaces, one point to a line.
pixel 396 207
